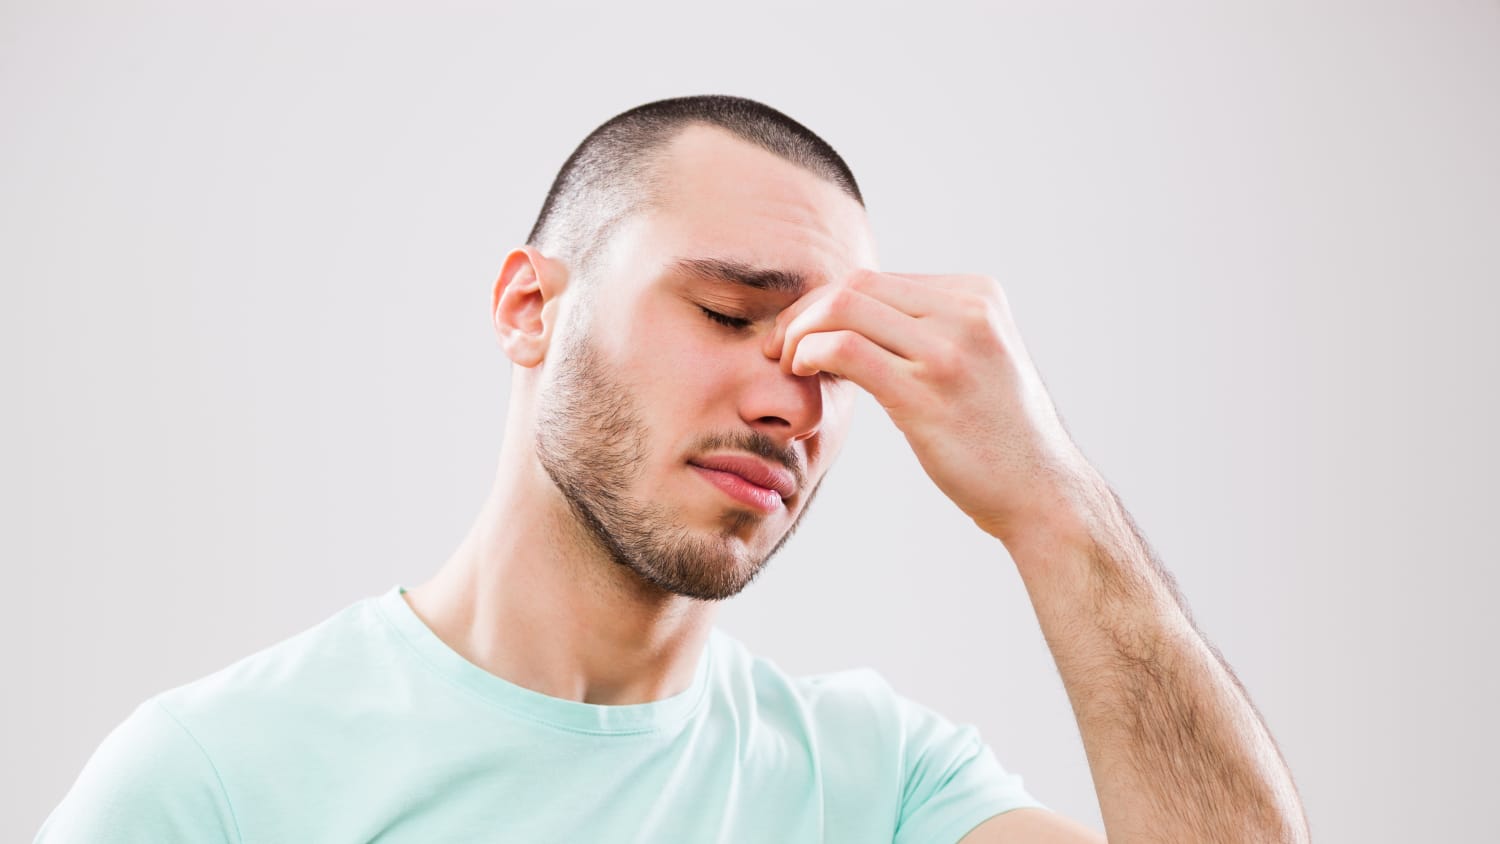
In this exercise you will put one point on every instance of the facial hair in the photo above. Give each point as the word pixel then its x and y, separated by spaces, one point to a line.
pixel 592 442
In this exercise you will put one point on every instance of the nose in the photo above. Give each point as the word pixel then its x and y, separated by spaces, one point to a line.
pixel 786 407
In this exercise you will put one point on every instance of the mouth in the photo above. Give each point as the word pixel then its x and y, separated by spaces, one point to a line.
pixel 747 481
pixel 741 490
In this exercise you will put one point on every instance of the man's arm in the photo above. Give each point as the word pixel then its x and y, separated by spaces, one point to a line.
pixel 1176 749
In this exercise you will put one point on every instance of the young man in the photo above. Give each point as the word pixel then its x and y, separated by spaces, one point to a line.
pixel 688 322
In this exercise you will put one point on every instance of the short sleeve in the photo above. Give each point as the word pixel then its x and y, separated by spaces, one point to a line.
pixel 148 781
pixel 951 780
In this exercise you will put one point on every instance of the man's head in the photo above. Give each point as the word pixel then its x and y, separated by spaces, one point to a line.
pixel 668 218
pixel 623 168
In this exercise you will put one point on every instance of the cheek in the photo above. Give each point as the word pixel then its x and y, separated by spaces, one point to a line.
pixel 676 369
pixel 703 380
pixel 681 358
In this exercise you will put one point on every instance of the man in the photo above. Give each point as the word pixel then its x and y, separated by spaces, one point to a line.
pixel 689 321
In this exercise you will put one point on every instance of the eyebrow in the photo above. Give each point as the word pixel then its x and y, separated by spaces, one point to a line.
pixel 738 272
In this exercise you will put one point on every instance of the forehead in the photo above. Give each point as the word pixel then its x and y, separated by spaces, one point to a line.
pixel 728 200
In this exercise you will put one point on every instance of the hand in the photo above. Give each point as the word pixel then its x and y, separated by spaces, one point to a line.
pixel 944 358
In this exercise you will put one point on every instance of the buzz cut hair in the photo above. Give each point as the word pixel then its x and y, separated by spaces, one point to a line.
pixel 617 170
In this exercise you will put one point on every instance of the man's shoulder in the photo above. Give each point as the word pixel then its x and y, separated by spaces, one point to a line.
pixel 318 663
pixel 165 772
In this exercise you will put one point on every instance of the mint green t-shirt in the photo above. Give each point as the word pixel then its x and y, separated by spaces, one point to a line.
pixel 368 727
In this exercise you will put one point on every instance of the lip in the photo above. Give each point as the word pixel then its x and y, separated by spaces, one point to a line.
pixel 752 495
pixel 747 480
pixel 751 471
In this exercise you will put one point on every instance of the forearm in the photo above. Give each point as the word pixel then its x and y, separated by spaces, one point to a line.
pixel 1176 749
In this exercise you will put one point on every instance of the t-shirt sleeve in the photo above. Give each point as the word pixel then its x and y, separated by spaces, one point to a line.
pixel 951 780
pixel 148 781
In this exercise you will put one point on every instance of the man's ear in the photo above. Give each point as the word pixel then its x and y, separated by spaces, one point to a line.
pixel 524 304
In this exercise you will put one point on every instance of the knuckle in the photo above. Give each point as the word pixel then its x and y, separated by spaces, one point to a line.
pixel 987 286
pixel 845 341
pixel 985 315
pixel 861 278
pixel 944 363
pixel 842 300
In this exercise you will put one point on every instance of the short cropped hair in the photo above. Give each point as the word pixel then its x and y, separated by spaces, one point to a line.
pixel 615 171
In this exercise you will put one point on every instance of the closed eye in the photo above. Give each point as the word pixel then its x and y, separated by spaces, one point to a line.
pixel 722 319
pixel 739 323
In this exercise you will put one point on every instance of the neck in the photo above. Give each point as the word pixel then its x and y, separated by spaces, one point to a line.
pixel 529 596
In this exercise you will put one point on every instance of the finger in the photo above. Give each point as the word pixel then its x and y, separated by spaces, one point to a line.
pixel 948 281
pixel 909 296
pixel 845 308
pixel 853 356
pixel 917 295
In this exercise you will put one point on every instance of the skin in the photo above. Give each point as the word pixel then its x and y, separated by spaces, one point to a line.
pixel 593 571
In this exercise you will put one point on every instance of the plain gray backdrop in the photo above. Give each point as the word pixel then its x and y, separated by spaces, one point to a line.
pixel 1253 248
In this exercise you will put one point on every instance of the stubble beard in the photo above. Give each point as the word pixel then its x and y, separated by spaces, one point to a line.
pixel 591 441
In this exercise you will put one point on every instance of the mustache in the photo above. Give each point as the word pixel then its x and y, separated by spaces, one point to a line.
pixel 760 445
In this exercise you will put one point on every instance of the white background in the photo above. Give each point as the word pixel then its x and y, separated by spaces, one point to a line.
pixel 1253 248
